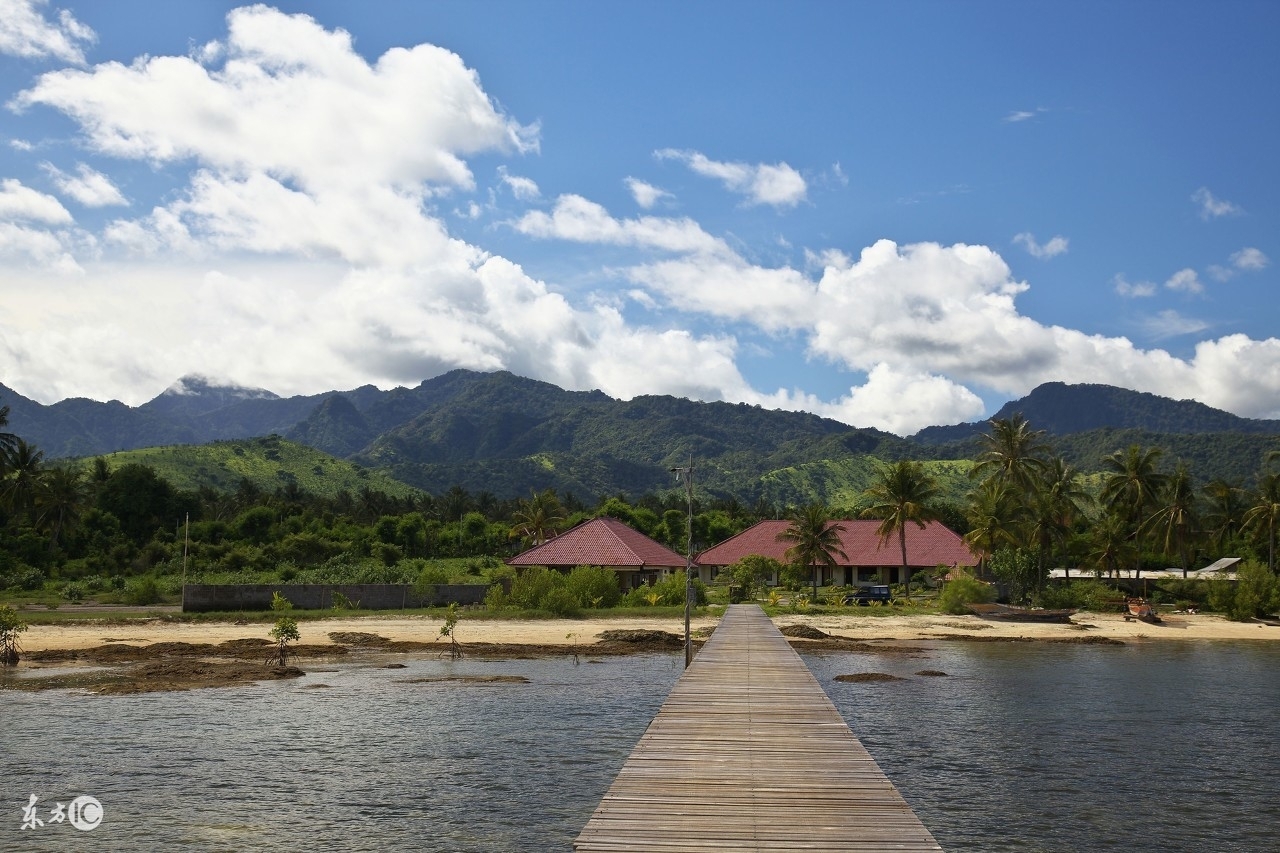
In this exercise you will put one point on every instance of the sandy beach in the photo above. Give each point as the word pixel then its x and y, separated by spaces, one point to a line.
pixel 584 632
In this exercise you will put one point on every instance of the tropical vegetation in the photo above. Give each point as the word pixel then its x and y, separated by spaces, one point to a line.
pixel 117 528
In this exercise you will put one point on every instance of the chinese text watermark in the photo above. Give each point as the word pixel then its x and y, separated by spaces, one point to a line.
pixel 84 813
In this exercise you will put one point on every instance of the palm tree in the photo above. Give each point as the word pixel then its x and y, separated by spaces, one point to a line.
pixel 18 490
pixel 1224 514
pixel 1055 508
pixel 1264 513
pixel 815 540
pixel 59 501
pixel 7 440
pixel 537 518
pixel 1014 453
pixel 1110 543
pixel 902 493
pixel 995 516
pixel 1130 487
pixel 1177 522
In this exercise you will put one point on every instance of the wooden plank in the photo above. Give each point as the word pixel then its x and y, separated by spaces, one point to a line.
pixel 748 753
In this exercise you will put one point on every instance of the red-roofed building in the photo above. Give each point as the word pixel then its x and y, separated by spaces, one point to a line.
pixel 868 561
pixel 604 542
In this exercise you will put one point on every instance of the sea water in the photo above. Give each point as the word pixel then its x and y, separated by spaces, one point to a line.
pixel 1019 747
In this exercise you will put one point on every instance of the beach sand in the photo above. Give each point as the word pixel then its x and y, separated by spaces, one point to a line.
pixel 584 632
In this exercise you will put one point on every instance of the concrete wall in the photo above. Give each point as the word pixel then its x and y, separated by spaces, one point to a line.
pixel 202 597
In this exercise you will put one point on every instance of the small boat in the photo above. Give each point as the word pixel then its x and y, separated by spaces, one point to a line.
pixel 1006 613
pixel 1142 610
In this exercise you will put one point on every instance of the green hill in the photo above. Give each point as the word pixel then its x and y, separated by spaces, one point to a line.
pixel 269 463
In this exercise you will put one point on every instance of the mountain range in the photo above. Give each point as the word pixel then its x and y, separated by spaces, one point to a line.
pixel 508 435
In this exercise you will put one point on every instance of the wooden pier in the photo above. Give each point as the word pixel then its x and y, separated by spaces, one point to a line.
pixel 748 753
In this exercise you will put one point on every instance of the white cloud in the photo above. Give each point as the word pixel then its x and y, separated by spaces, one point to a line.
pixel 1245 260
pixel 931 310
pixel 893 401
pixel 522 188
pixel 295 102
pixel 575 218
pixel 26 33
pixel 88 186
pixel 1133 290
pixel 777 185
pixel 646 195
pixel 19 202
pixel 1171 324
pixel 301 254
pixel 1056 246
pixel 1185 281
pixel 304 252
pixel 921 310
pixel 1249 259
pixel 1211 207
pixel 1023 115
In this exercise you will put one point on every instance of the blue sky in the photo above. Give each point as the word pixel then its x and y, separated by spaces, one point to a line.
pixel 893 214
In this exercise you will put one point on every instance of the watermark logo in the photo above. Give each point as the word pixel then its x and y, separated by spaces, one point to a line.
pixel 84 813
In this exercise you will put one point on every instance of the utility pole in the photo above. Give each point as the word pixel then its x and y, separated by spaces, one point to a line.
pixel 186 543
pixel 686 474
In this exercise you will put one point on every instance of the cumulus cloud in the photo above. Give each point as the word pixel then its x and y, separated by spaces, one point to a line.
pixel 1133 290
pixel 1244 261
pixel 296 102
pixel 1056 246
pixel 25 32
pixel 522 188
pixel 302 252
pixel 1249 259
pixel 777 185
pixel 646 195
pixel 1213 208
pixel 890 400
pixel 580 220
pixel 88 186
pixel 1185 281
pixel 934 314
pixel 20 202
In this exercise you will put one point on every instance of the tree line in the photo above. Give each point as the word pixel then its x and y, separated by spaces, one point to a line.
pixel 1029 510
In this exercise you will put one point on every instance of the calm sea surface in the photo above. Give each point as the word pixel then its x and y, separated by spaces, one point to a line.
pixel 1023 747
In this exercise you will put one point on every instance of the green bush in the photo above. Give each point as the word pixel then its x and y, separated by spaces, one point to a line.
pixel 957 594
pixel 532 586
pixel 1256 592
pixel 22 577
pixel 1081 594
pixel 560 601
pixel 668 592
pixel 1192 591
pixel 142 591
pixel 752 573
pixel 594 586
pixel 1018 570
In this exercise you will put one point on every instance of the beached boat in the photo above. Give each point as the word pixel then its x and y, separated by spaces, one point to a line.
pixel 1142 610
pixel 1007 613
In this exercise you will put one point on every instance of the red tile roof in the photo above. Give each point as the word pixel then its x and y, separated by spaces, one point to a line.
pixel 600 542
pixel 935 545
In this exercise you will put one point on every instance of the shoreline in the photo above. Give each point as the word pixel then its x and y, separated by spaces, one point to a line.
pixel 111 657
pixel 585 632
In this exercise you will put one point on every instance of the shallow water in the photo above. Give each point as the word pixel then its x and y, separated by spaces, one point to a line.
pixel 1026 747
pixel 1045 747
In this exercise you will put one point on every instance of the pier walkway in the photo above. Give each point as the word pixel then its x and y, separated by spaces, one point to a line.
pixel 748 753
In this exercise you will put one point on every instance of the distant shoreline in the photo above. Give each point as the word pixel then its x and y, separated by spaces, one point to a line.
pixel 584 632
